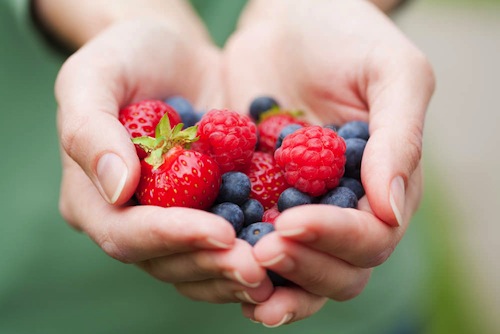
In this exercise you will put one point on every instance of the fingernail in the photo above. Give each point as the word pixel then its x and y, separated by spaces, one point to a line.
pixel 112 174
pixel 217 244
pixel 283 321
pixel 281 263
pixel 245 297
pixel 397 198
pixel 236 276
pixel 298 234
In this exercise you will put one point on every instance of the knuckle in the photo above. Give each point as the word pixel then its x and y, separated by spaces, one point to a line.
pixel 111 248
pixel 380 258
pixel 354 289
pixel 72 135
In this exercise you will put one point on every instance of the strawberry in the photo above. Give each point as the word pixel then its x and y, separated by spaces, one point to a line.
pixel 140 119
pixel 313 159
pixel 174 175
pixel 271 124
pixel 228 137
pixel 266 179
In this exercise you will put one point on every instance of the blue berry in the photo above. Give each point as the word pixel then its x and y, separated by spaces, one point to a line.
pixel 293 197
pixel 355 148
pixel 287 130
pixel 231 212
pixel 185 110
pixel 354 129
pixel 235 188
pixel 260 105
pixel 354 185
pixel 253 211
pixel 254 232
pixel 333 127
pixel 340 196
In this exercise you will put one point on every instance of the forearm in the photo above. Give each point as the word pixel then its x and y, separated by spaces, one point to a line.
pixel 75 22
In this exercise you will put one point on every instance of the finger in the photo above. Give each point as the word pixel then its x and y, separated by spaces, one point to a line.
pixel 314 271
pixel 355 236
pixel 398 95
pixel 286 305
pixel 224 291
pixel 136 233
pixel 236 263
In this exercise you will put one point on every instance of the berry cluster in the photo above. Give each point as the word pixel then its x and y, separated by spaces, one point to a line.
pixel 247 169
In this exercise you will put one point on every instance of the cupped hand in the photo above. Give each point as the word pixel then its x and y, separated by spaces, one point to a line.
pixel 130 61
pixel 338 61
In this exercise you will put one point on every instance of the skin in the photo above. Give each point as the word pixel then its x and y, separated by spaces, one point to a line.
pixel 367 69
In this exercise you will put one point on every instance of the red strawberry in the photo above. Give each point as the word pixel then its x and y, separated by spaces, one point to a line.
pixel 313 159
pixel 140 119
pixel 172 175
pixel 228 137
pixel 266 178
pixel 270 126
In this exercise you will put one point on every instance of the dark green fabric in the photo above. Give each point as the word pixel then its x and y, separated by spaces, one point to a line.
pixel 54 280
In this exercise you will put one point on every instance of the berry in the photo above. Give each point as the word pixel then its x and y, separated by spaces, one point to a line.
pixel 235 188
pixel 266 178
pixel 254 232
pixel 271 214
pixel 260 105
pixel 271 125
pixel 253 211
pixel 287 130
pixel 141 118
pixel 171 174
pixel 312 159
pixel 354 185
pixel 228 137
pixel 354 129
pixel 355 148
pixel 185 110
pixel 293 197
pixel 340 196
pixel 232 213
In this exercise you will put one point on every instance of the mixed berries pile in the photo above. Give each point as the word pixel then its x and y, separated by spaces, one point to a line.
pixel 247 169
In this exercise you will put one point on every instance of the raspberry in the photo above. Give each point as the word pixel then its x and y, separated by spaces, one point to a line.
pixel 312 159
pixel 228 137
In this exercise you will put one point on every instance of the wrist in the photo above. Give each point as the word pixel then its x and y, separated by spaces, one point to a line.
pixel 74 23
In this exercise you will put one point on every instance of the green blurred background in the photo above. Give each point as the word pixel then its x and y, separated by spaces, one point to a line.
pixel 462 40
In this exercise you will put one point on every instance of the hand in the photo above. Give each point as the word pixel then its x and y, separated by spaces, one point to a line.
pixel 338 61
pixel 194 250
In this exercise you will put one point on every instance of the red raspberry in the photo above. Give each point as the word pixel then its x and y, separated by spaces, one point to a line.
pixel 271 214
pixel 141 118
pixel 270 127
pixel 313 159
pixel 228 137
pixel 266 179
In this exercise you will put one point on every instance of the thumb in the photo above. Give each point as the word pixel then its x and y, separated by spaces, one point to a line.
pixel 398 100
pixel 91 134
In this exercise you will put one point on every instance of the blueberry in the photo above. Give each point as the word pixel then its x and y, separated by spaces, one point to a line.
pixel 260 105
pixel 354 185
pixel 254 232
pixel 293 197
pixel 355 148
pixel 235 188
pixel 354 129
pixel 185 110
pixel 287 130
pixel 333 127
pixel 231 212
pixel 253 211
pixel 340 196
